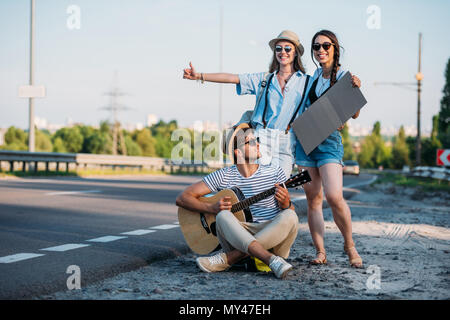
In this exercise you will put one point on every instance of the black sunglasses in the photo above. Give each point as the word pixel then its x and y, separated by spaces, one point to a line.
pixel 325 46
pixel 278 49
pixel 252 142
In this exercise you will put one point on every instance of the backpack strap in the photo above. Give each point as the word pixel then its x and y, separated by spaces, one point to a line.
pixel 299 105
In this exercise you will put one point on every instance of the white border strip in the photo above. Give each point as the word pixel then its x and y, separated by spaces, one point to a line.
pixel 106 239
pixel 138 232
pixel 19 257
pixel 66 247
pixel 63 193
pixel 165 226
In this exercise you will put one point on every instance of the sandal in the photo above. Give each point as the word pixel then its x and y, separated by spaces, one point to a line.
pixel 318 261
pixel 354 262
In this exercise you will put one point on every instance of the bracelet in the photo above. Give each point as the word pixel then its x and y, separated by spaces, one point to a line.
pixel 290 204
pixel 203 79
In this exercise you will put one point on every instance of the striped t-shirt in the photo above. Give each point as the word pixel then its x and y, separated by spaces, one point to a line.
pixel 264 178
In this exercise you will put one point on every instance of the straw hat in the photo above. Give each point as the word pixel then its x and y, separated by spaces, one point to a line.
pixel 287 35
pixel 228 138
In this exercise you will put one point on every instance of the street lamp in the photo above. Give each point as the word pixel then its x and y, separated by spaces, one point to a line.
pixel 31 135
pixel 419 78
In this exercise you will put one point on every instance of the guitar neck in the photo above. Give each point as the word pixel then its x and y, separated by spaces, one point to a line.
pixel 244 204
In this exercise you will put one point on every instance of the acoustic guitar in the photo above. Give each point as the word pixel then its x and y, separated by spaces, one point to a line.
pixel 199 229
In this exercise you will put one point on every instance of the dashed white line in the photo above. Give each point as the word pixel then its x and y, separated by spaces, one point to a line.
pixel 63 193
pixel 66 247
pixel 139 232
pixel 19 257
pixel 106 239
pixel 71 246
pixel 165 226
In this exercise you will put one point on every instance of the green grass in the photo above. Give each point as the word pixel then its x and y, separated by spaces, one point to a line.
pixel 427 184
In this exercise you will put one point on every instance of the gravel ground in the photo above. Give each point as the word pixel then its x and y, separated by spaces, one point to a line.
pixel 402 234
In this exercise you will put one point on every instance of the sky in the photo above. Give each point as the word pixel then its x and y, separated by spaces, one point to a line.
pixel 147 44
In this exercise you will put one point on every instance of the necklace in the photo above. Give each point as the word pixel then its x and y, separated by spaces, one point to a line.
pixel 323 81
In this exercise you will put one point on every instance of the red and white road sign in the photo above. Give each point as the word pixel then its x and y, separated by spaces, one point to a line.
pixel 443 157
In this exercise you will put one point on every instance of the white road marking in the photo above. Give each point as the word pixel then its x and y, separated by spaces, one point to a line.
pixel 66 247
pixel 139 232
pixel 19 257
pixel 359 184
pixel 106 239
pixel 299 197
pixel 165 226
pixel 63 193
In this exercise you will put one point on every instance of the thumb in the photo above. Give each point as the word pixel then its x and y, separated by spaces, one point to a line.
pixel 190 65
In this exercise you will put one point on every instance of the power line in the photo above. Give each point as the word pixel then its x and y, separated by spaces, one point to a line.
pixel 115 107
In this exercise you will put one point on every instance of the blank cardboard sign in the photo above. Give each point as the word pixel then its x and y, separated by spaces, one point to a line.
pixel 328 113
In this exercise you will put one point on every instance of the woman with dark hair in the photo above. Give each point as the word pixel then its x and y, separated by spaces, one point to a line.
pixel 279 92
pixel 324 163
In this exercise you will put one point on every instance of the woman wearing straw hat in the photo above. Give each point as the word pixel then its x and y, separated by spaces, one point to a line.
pixel 278 102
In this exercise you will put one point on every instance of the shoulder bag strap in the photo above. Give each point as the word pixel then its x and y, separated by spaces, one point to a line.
pixel 299 105
pixel 266 99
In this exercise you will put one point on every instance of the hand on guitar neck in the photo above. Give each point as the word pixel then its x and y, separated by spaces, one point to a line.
pixel 283 198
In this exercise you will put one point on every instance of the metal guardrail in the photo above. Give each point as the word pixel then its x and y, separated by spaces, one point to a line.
pixel 431 172
pixel 32 159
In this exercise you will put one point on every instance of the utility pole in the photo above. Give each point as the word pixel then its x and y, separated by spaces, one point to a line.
pixel 220 65
pixel 419 78
pixel 31 133
pixel 418 85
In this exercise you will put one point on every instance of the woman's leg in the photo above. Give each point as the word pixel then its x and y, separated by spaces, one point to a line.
pixel 331 174
pixel 314 197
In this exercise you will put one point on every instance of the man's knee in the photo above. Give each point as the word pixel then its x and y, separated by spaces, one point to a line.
pixel 289 218
pixel 223 216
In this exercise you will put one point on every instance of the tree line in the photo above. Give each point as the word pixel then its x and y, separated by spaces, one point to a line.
pixel 154 141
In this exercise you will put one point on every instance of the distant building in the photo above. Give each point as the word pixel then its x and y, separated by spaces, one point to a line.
pixel 203 126
pixel 151 120
pixel 357 130
pixel 2 135
pixel 133 126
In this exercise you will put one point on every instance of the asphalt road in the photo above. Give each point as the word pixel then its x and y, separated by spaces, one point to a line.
pixel 103 226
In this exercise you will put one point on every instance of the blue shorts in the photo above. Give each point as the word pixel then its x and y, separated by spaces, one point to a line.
pixel 329 151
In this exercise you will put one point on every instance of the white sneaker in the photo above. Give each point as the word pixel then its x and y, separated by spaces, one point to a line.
pixel 279 266
pixel 214 263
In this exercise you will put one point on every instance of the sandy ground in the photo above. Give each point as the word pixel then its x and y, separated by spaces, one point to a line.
pixel 402 234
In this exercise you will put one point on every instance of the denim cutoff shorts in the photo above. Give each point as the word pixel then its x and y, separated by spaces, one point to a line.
pixel 329 151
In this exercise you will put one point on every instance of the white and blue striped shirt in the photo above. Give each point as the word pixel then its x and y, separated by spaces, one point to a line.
pixel 263 179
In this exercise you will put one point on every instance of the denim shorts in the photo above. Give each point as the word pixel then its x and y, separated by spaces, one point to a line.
pixel 329 151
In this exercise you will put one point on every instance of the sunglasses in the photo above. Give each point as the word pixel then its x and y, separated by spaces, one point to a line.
pixel 325 46
pixel 287 49
pixel 252 142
